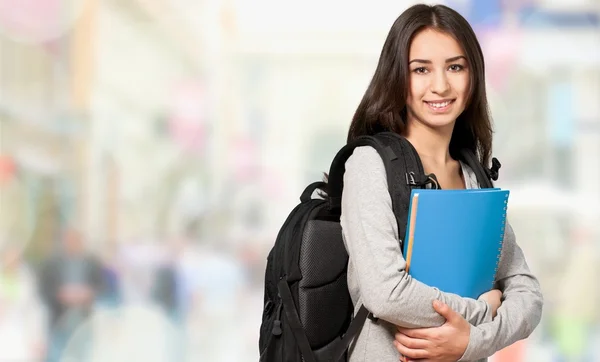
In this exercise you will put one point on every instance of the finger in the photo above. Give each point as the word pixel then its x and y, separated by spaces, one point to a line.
pixel 406 359
pixel 445 311
pixel 414 343
pixel 411 353
pixel 420 333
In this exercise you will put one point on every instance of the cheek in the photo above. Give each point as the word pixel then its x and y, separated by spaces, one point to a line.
pixel 461 85
pixel 417 89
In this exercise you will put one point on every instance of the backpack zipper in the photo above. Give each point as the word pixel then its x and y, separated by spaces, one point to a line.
pixel 268 307
pixel 277 323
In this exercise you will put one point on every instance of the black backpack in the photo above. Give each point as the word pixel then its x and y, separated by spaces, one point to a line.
pixel 308 314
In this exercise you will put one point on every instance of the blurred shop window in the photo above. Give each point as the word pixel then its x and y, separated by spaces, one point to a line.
pixel 521 106
pixel 322 148
pixel 560 118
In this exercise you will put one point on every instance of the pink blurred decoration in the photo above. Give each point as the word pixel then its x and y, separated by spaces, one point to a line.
pixel 273 183
pixel 37 20
pixel 512 353
pixel 501 49
pixel 244 159
pixel 7 169
pixel 187 117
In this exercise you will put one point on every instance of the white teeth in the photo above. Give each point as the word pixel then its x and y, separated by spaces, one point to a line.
pixel 439 105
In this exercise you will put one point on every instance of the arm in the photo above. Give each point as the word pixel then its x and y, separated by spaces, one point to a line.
pixel 371 237
pixel 520 311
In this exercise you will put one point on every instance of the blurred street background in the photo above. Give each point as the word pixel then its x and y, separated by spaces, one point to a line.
pixel 150 150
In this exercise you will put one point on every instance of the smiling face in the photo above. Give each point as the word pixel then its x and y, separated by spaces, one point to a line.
pixel 438 81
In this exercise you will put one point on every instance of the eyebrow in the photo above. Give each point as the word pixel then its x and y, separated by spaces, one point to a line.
pixel 429 61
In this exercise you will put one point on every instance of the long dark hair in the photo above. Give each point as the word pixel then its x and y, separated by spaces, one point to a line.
pixel 383 107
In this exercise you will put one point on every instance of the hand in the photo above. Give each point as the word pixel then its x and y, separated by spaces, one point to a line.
pixel 494 299
pixel 446 343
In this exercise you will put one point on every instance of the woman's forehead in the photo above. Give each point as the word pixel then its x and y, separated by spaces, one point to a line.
pixel 430 44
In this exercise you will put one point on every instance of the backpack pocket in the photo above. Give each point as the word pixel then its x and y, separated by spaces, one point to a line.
pixel 270 332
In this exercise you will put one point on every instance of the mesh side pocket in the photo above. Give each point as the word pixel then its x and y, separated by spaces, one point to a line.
pixel 323 257
pixel 325 311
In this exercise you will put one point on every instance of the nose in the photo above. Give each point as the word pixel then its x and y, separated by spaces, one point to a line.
pixel 439 83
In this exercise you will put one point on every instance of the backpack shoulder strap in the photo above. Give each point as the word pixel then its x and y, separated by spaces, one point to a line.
pixel 404 171
pixel 485 176
pixel 407 173
pixel 335 184
pixel 407 160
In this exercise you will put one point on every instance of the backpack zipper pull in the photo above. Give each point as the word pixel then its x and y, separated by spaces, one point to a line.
pixel 277 323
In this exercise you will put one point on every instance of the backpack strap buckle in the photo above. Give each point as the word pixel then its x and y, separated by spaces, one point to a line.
pixel 410 179
pixel 430 179
pixel 492 172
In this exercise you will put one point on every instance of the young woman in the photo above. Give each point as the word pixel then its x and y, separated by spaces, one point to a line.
pixel 429 86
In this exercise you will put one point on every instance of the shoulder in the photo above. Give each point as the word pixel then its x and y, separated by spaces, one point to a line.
pixel 364 158
pixel 469 175
pixel 365 174
pixel 361 152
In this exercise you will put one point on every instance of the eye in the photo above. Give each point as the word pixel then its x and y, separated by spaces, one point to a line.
pixel 420 70
pixel 456 67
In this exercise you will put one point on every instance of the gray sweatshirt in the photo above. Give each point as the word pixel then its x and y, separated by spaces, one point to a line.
pixel 377 277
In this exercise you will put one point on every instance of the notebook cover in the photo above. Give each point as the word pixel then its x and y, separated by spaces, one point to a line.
pixel 454 238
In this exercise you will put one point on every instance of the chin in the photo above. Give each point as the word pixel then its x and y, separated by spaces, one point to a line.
pixel 439 122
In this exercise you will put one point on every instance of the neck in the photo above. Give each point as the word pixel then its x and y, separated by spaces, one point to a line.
pixel 432 145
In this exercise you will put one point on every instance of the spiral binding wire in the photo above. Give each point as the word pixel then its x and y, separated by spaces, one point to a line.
pixel 501 239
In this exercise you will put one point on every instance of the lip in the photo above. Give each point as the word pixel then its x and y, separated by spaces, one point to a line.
pixel 442 109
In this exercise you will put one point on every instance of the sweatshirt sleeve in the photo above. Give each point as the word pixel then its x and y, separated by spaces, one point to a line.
pixel 371 237
pixel 521 308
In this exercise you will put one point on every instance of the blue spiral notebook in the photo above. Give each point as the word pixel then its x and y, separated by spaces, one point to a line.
pixel 454 238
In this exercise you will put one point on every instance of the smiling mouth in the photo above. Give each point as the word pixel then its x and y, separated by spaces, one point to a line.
pixel 440 106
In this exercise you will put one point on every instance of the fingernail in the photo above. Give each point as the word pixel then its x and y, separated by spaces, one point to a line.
pixel 437 303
